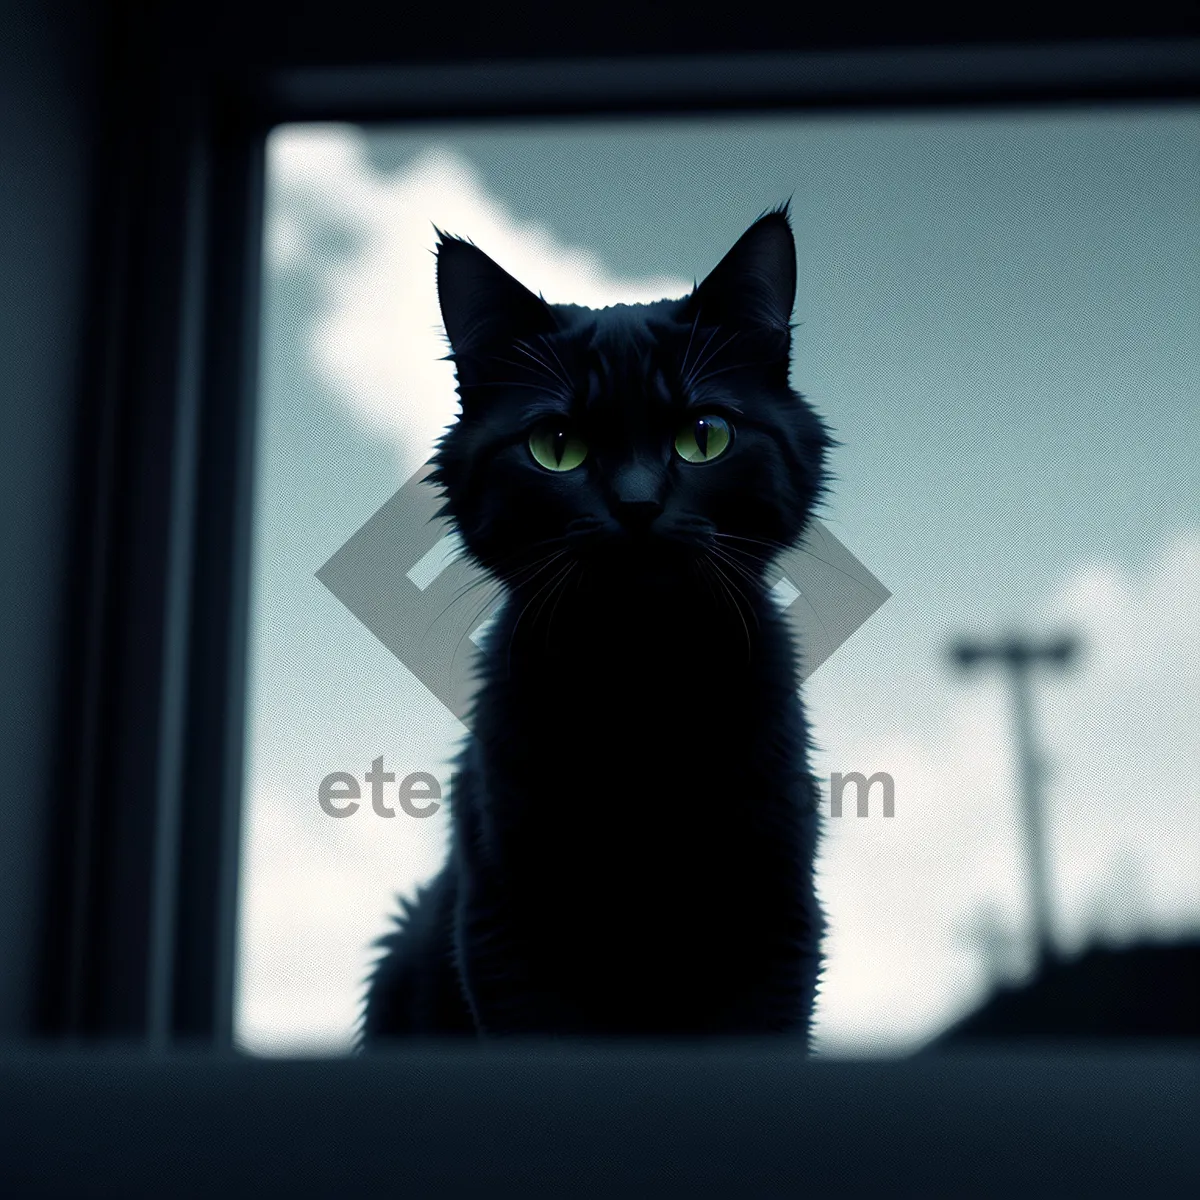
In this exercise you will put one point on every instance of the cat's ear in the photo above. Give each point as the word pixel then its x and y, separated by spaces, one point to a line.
pixel 754 285
pixel 482 304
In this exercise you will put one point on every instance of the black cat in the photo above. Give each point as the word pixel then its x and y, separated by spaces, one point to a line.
pixel 634 820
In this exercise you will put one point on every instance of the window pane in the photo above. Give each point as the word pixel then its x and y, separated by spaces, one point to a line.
pixel 997 317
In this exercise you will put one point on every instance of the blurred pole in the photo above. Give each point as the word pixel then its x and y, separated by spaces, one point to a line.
pixel 1020 656
pixel 1033 812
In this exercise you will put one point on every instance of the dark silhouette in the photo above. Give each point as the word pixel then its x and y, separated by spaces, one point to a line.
pixel 634 822
pixel 1144 991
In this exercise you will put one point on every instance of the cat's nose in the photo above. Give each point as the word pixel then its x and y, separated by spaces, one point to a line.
pixel 638 514
pixel 636 495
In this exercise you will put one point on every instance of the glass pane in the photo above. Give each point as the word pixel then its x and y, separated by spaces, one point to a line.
pixel 998 318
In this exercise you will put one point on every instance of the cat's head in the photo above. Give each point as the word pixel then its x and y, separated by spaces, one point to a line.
pixel 636 436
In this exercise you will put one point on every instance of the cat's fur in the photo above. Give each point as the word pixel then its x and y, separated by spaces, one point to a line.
pixel 634 820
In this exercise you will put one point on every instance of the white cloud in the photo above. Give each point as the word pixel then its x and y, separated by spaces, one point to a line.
pixel 315 891
pixel 380 338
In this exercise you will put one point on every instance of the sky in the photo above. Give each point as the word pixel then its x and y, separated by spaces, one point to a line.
pixel 999 318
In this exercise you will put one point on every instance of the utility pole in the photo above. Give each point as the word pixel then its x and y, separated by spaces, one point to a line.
pixel 1019 657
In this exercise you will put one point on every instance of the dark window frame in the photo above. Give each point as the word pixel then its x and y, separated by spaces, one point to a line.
pixel 140 917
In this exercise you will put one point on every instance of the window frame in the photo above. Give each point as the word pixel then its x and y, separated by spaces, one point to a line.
pixel 140 917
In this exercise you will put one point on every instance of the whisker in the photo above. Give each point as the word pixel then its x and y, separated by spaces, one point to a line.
pixel 493 568
pixel 559 388
pixel 866 587
pixel 811 607
pixel 524 348
pixel 499 580
pixel 724 581
pixel 513 579
pixel 780 547
pixel 467 631
pixel 738 591
pixel 525 608
pixel 773 546
pixel 684 367
pixel 545 341
pixel 687 379
pixel 496 588
pixel 737 537
pixel 481 581
pixel 558 575
pixel 698 563
pixel 755 581
pixel 702 379
pixel 558 593
pixel 709 358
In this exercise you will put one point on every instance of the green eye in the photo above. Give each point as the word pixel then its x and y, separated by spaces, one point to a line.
pixel 557 449
pixel 703 438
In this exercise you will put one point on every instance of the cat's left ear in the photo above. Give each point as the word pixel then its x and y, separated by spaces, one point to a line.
pixel 482 304
pixel 754 285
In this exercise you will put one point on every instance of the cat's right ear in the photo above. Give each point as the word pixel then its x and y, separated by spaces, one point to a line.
pixel 482 304
pixel 754 285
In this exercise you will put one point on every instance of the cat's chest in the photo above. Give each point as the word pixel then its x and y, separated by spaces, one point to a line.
pixel 627 711
pixel 656 754
pixel 679 704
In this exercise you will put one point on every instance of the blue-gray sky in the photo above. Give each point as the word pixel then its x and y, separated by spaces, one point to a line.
pixel 998 317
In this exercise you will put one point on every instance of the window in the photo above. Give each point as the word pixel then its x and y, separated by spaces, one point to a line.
pixel 997 317
pixel 128 732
